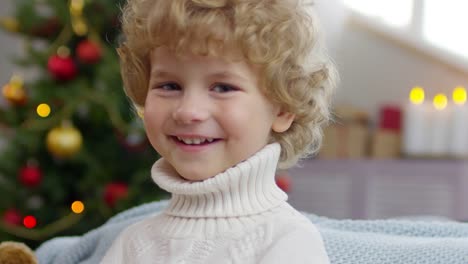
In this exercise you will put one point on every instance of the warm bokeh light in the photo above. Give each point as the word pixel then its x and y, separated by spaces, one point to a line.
pixel 29 221
pixel 417 95
pixel 77 207
pixel 43 110
pixel 459 95
pixel 440 101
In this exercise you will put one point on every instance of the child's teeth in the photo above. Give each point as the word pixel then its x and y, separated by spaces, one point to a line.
pixel 195 141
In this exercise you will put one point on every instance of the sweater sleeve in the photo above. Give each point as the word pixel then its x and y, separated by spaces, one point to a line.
pixel 300 246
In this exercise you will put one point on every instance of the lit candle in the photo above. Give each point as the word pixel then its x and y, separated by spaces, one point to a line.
pixel 459 131
pixel 440 126
pixel 415 124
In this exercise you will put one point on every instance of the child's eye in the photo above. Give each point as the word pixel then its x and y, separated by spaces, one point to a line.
pixel 224 88
pixel 168 87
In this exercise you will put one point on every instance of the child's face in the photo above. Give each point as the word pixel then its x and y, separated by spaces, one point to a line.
pixel 204 114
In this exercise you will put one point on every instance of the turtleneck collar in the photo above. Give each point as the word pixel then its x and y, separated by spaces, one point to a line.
pixel 246 189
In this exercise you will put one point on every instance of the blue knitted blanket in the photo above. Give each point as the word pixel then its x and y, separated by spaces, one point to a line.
pixel 346 241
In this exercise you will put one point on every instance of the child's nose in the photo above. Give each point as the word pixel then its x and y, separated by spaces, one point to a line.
pixel 191 109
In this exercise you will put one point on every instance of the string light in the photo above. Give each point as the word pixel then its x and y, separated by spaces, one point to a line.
pixel 43 110
pixel 29 221
pixel 417 95
pixel 459 95
pixel 77 207
pixel 440 101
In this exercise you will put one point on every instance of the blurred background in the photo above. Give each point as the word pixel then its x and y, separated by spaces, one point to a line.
pixel 398 146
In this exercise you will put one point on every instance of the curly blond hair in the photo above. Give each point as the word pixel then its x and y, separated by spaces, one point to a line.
pixel 280 36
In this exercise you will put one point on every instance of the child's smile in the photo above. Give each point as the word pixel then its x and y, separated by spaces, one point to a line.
pixel 205 114
pixel 194 143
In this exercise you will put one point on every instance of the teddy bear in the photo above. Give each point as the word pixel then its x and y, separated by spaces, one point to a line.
pixel 16 253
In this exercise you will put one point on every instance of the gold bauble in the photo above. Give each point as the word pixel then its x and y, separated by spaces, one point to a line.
pixel 64 141
pixel 14 94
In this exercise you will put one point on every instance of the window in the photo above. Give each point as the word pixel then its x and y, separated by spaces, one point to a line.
pixel 443 24
pixel 436 27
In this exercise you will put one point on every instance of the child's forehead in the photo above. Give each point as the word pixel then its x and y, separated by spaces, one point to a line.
pixel 226 55
pixel 163 60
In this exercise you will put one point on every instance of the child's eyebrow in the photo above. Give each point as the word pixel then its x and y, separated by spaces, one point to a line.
pixel 160 73
pixel 215 75
pixel 228 75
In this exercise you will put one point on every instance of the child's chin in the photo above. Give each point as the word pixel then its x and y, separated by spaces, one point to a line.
pixel 195 177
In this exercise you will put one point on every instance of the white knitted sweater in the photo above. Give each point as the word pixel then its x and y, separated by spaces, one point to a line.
pixel 238 216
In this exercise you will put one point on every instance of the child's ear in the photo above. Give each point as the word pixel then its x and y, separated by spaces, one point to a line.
pixel 283 122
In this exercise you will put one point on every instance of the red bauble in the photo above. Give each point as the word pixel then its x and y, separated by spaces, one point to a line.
pixel 12 216
pixel 30 176
pixel 284 182
pixel 88 52
pixel 62 68
pixel 115 191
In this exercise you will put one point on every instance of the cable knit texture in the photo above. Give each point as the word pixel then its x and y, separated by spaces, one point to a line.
pixel 238 216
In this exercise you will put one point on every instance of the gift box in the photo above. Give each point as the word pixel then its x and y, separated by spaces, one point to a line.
pixel 348 135
pixel 386 140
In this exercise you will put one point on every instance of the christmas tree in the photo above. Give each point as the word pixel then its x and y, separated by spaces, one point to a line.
pixel 76 152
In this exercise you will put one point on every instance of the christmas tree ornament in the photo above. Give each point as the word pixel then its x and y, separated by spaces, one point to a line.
pixel 115 191
pixel 29 221
pixel 15 95
pixel 64 141
pixel 10 24
pixel 12 216
pixel 30 175
pixel 61 66
pixel 14 91
pixel 88 52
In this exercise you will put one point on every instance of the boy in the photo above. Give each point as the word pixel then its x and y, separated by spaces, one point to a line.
pixel 227 88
